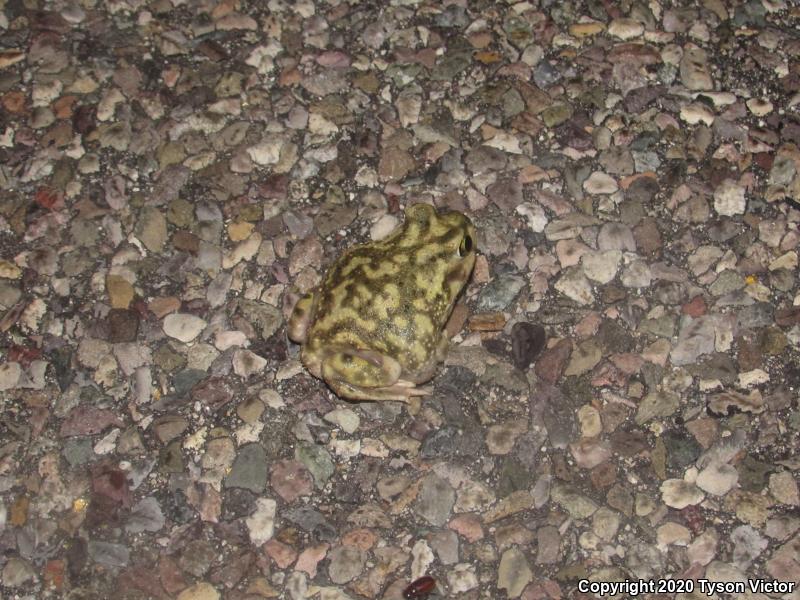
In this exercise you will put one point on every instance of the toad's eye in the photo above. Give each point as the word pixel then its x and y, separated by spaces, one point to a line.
pixel 465 247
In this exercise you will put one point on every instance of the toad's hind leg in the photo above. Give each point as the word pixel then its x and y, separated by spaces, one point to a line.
pixel 300 320
pixel 367 375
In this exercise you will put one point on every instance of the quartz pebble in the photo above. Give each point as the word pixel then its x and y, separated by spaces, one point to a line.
pixel 183 327
pixel 729 198
pixel 678 493
pixel 759 106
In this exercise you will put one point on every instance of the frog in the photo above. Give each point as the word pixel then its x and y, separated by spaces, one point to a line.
pixel 374 328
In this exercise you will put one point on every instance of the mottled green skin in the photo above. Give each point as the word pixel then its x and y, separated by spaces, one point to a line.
pixel 373 329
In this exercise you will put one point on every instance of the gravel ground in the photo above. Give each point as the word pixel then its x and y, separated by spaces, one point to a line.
pixel 174 173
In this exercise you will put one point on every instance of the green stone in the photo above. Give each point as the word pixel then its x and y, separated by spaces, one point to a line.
pixel 267 317
pixel 556 114
pixel 573 572
pixel 170 459
pixel 78 451
pixel 518 30
pixel 137 200
pixel 168 360
pixel 506 376
pixel 402 75
pixel 513 476
pixel 367 82
pixel 794 420
pixel 450 66
pixel 571 500
pixel 663 326
pixel 75 263
pixel 317 460
pixel 230 84
pixel 772 340
pixel 657 405
pixel 185 380
pixel 726 282
pixel 621 499
pixel 682 450
pixel 84 232
pixel 513 104
pixel 180 213
pixel 171 153
pixel 63 173
pixel 577 390
pixel 658 458
pixel 251 213
pixel 152 229
pixel 613 337
pixel 334 109
pixel 753 474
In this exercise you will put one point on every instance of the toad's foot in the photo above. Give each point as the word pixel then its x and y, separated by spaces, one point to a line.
pixel 368 375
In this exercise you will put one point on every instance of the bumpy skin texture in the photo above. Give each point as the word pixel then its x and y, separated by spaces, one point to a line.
pixel 373 329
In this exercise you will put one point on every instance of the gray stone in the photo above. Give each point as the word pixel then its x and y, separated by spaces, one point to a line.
pixel 575 503
pixel 575 286
pixel 694 69
pixel 152 229
pixel 146 515
pixel 249 470
pixel 696 338
pixel 109 554
pixel 644 560
pixel 748 544
pixel 616 236
pixel 500 293
pixel 657 405
pixel 17 572
pixel 345 563
pixel 548 545
pixel 514 572
pixel 78 451
pixel 435 501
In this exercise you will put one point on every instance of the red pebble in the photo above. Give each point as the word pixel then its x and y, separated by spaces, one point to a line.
pixel 696 307
pixel 419 588
pixel 23 354
pixel 48 198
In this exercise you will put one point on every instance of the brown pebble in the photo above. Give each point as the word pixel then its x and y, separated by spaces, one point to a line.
pixel 491 321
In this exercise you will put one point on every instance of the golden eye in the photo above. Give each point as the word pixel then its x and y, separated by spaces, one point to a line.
pixel 465 247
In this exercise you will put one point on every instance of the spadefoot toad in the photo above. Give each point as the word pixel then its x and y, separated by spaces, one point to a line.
pixel 374 328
